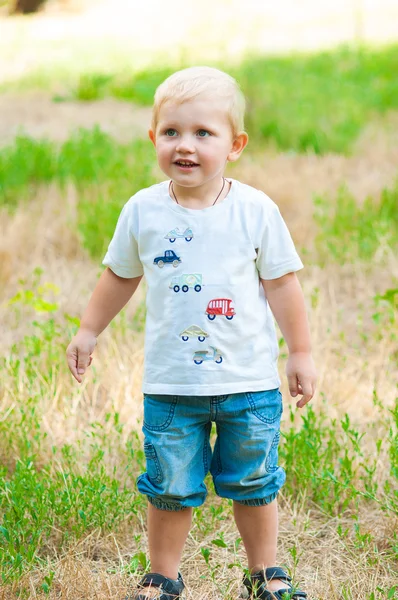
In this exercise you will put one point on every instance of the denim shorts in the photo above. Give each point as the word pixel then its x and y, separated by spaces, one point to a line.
pixel 243 462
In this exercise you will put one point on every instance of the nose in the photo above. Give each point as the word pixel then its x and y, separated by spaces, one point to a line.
pixel 185 144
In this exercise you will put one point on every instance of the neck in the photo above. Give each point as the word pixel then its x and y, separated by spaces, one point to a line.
pixel 202 196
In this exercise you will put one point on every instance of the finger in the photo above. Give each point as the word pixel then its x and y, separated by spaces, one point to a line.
pixel 307 391
pixel 83 362
pixel 73 370
pixel 303 401
pixel 71 357
pixel 293 385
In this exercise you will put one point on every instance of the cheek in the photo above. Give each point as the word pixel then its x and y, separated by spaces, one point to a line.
pixel 213 154
pixel 163 152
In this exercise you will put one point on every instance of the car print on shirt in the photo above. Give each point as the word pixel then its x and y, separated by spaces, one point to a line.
pixel 220 306
pixel 169 257
pixel 194 331
pixel 176 233
pixel 186 281
pixel 203 355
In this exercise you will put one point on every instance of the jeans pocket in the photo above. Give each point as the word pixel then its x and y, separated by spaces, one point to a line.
pixel 158 411
pixel 271 463
pixel 266 406
pixel 153 467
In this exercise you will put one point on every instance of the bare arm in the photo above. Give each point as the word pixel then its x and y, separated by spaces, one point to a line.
pixel 286 301
pixel 110 295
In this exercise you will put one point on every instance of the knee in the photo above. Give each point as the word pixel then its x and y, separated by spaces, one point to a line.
pixel 175 494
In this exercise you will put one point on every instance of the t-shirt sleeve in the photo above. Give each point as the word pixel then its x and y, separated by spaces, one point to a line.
pixel 122 256
pixel 276 254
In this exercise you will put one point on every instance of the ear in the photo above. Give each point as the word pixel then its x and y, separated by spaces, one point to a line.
pixel 152 137
pixel 238 146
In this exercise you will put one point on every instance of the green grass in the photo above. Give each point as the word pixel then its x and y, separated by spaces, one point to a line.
pixel 107 173
pixel 76 496
pixel 302 103
pixel 325 458
pixel 64 494
pixel 89 156
pixel 348 231
pixel 317 103
pixel 51 496
pixel 138 88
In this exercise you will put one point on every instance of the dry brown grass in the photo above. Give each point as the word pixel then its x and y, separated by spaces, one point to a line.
pixel 90 569
pixel 35 114
pixel 41 234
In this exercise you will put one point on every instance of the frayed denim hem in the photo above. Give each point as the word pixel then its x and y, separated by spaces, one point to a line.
pixel 258 501
pixel 162 505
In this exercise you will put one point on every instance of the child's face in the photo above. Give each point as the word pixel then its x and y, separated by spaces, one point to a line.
pixel 197 131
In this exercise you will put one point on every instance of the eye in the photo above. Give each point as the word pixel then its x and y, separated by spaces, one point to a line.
pixel 203 133
pixel 170 132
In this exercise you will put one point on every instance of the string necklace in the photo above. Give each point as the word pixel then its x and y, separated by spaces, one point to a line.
pixel 223 184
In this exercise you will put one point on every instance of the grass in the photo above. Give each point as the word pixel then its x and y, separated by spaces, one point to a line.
pixel 317 103
pixel 326 458
pixel 107 173
pixel 348 230
pixel 301 103
pixel 89 156
pixel 58 488
pixel 71 521
pixel 52 494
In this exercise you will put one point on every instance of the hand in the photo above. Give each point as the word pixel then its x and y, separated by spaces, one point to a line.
pixel 78 353
pixel 301 375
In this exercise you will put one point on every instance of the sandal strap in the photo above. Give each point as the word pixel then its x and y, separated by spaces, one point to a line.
pixel 293 595
pixel 267 575
pixel 277 573
pixel 258 582
pixel 169 586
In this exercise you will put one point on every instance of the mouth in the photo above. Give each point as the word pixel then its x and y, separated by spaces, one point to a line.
pixel 186 164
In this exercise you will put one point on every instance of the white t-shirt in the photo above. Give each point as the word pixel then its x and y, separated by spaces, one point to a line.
pixel 209 328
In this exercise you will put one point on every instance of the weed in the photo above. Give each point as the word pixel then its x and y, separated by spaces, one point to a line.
pixel 349 231
pixel 105 173
pixel 326 458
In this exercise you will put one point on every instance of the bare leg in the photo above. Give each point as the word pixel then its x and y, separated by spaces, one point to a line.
pixel 167 533
pixel 258 526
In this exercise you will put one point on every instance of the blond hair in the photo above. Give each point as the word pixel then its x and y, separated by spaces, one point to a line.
pixel 189 83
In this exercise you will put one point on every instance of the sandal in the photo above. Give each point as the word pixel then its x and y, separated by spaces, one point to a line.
pixel 255 586
pixel 169 589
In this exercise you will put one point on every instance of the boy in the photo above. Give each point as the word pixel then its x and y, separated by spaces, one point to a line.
pixel 217 258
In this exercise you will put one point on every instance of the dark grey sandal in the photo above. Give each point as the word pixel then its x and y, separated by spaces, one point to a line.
pixel 169 589
pixel 255 586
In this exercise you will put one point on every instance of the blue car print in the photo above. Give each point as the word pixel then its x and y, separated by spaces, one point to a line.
pixel 169 257
pixel 176 233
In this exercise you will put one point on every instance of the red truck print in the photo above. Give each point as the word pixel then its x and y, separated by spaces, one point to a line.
pixel 220 306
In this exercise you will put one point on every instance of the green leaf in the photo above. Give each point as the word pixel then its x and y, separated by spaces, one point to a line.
pixel 220 543
pixel 142 559
pixel 206 554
